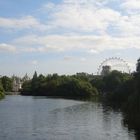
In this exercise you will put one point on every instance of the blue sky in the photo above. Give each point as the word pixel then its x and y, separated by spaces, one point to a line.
pixel 67 36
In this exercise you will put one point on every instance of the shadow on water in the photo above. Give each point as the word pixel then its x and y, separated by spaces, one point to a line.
pixel 94 99
pixel 131 121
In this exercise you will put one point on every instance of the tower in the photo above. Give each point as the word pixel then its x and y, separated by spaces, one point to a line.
pixel 106 70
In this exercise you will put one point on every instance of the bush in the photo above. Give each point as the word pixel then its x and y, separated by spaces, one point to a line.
pixel 1 92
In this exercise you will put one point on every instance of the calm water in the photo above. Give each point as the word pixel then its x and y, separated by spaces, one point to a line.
pixel 30 118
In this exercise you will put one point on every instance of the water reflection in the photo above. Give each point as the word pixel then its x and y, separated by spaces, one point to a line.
pixel 132 122
pixel 59 119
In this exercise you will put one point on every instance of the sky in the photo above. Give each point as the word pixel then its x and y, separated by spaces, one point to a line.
pixel 67 36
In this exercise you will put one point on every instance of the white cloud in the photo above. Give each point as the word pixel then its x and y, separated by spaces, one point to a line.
pixel 128 26
pixel 74 58
pixel 47 7
pixel 7 48
pixel 34 62
pixel 68 58
pixel 89 16
pixel 131 5
pixel 85 15
pixel 92 51
pixel 89 43
pixel 83 59
pixel 27 22
pixel 78 17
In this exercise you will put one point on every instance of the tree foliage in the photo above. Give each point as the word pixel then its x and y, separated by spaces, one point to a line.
pixel 7 83
pixel 55 85
pixel 1 91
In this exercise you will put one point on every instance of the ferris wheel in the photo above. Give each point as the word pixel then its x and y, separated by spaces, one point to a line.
pixel 114 63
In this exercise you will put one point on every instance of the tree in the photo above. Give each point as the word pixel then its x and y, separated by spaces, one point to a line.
pixel 34 83
pixel 26 88
pixel 1 91
pixel 138 66
pixel 97 81
pixel 114 80
pixel 35 76
pixel 7 83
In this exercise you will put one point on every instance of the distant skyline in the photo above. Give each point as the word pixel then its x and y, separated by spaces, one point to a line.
pixel 67 36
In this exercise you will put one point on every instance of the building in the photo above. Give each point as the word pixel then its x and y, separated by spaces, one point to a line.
pixel 106 70
pixel 17 82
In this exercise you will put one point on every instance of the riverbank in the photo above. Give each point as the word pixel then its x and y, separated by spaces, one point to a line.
pixel 1 92
pixel 12 93
pixel 1 95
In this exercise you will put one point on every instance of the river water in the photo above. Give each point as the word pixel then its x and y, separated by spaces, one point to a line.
pixel 40 118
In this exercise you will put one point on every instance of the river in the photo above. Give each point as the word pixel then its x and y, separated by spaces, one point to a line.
pixel 40 118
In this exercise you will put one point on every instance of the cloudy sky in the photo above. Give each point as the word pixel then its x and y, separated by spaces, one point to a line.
pixel 67 36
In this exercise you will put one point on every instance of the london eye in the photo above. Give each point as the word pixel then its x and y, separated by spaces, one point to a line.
pixel 114 63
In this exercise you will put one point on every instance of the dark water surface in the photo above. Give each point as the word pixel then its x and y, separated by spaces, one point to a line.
pixel 30 118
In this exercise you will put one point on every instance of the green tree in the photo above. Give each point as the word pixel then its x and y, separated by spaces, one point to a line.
pixel 114 80
pixel 34 83
pixel 1 91
pixel 97 81
pixel 134 99
pixel 26 88
pixel 7 83
pixel 55 85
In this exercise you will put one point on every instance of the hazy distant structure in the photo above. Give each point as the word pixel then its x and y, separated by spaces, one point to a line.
pixel 106 70
pixel 17 82
pixel 113 63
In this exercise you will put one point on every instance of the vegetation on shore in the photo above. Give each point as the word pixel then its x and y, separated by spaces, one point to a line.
pixel 6 85
pixel 1 91
pixel 55 85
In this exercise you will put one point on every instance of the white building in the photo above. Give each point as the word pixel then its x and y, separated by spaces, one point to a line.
pixel 17 82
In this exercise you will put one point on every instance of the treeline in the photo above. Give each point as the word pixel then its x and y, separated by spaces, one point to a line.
pixel 55 85
pixel 6 85
pixel 111 82
pixel 110 86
